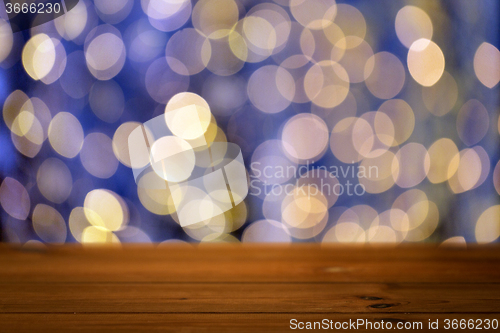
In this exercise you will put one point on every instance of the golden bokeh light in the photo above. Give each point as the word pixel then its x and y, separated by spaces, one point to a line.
pixel 105 52
pixel 425 62
pixel 49 225
pixel 39 56
pixel 213 135
pixel 30 144
pixel 66 134
pixel 412 24
pixel 188 116
pixel 14 104
pixel 467 173
pixel 28 119
pixel 201 206
pixel 98 235
pixel 167 15
pixel 120 142
pixel 487 64
pixel 443 161
pixel 304 212
pixel 27 132
pixel 72 25
pixel 172 158
pixel 456 241
pixel 215 18
pixel 23 123
pixel 259 34
pixel 105 209
pixel 488 225
pixel 279 19
pixel 77 223
pixel 299 204
pixel 305 138
pixel 304 207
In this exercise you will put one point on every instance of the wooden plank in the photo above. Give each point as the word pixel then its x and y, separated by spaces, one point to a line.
pixel 245 288
pixel 217 322
pixel 248 297
pixel 222 263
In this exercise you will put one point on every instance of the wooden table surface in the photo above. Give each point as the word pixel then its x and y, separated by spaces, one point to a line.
pixel 242 288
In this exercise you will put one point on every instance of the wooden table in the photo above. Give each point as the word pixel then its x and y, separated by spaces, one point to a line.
pixel 243 288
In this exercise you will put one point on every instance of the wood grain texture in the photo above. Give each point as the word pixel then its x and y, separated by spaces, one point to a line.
pixel 224 288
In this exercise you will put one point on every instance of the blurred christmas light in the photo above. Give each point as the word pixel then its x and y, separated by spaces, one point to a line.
pixel 353 124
